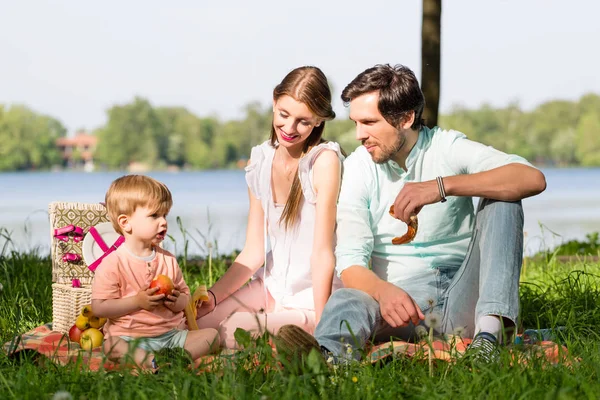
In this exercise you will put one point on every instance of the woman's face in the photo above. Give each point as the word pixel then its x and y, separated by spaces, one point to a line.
pixel 293 121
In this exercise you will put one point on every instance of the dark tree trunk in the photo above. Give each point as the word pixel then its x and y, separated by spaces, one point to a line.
pixel 430 59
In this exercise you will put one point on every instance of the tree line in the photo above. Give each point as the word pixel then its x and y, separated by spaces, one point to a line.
pixel 560 133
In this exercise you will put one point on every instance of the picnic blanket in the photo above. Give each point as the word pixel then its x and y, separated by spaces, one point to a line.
pixel 57 347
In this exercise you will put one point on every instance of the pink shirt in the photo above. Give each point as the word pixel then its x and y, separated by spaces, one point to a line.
pixel 121 275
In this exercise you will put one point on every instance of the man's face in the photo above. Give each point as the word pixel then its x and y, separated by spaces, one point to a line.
pixel 380 138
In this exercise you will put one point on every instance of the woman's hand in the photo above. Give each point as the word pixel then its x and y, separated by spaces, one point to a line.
pixel 205 307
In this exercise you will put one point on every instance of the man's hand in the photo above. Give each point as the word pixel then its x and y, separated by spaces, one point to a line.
pixel 413 196
pixel 147 300
pixel 397 307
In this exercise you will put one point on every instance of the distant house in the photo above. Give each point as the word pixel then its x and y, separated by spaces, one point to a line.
pixel 78 151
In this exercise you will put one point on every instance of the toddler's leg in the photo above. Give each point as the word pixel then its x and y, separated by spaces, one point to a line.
pixel 249 298
pixel 117 349
pixel 257 324
pixel 201 342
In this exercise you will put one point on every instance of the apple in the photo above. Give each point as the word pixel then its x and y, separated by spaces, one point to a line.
pixel 86 311
pixel 75 333
pixel 97 322
pixel 91 338
pixel 164 284
pixel 82 322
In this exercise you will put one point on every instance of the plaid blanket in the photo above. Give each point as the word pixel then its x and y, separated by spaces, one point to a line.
pixel 452 349
pixel 59 349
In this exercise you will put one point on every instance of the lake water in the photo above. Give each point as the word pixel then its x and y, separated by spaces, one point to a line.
pixel 213 206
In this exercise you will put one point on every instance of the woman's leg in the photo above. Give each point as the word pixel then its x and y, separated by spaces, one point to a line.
pixel 257 324
pixel 249 298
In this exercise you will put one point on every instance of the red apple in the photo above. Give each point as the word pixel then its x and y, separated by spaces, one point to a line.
pixel 75 333
pixel 164 284
pixel 91 338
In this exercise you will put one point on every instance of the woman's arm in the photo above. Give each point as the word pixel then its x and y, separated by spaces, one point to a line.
pixel 246 263
pixel 327 178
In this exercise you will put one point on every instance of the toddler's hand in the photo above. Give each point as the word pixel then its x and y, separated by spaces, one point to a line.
pixel 171 299
pixel 147 300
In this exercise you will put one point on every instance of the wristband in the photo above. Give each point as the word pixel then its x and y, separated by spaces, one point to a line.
pixel 440 184
pixel 214 297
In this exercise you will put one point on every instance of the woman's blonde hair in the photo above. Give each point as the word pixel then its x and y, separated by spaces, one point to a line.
pixel 307 85
pixel 129 192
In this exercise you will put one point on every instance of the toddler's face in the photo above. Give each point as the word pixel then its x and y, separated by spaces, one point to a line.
pixel 148 226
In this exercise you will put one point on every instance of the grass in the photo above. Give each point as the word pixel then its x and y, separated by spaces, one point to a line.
pixel 552 294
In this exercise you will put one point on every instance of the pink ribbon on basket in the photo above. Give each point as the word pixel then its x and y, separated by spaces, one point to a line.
pixel 76 283
pixel 63 233
pixel 107 250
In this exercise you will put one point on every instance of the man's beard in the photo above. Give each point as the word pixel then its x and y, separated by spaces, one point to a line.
pixel 388 152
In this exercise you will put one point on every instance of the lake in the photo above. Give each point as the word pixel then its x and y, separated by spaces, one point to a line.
pixel 213 206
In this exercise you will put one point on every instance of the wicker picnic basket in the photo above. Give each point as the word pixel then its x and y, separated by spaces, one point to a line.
pixel 83 215
pixel 68 300
pixel 67 303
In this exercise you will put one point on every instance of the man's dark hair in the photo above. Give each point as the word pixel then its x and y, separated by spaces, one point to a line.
pixel 399 92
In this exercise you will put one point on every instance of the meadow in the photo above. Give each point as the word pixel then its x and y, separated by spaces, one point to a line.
pixel 554 292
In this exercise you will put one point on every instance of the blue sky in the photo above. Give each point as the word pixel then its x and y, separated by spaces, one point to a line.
pixel 73 59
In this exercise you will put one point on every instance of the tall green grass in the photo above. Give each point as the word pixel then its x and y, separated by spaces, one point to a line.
pixel 552 294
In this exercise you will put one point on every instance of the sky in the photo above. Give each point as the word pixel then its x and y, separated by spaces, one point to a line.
pixel 73 59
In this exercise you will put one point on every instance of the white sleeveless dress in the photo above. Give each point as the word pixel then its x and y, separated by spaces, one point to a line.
pixel 287 274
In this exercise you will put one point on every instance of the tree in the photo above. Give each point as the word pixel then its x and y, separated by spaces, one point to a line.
pixel 588 140
pixel 548 120
pixel 28 139
pixel 430 59
pixel 134 133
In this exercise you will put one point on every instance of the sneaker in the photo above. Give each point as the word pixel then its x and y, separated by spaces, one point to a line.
pixel 484 348
pixel 294 341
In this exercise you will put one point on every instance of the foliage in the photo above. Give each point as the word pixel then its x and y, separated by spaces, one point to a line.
pixel 552 294
pixel 557 133
pixel 28 139
pixel 591 247
pixel 134 133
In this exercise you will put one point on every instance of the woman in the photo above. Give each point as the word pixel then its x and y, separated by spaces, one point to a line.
pixel 293 183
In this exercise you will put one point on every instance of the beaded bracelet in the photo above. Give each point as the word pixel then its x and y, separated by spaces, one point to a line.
pixel 440 183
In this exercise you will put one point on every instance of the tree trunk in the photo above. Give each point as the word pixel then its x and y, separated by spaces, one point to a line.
pixel 430 59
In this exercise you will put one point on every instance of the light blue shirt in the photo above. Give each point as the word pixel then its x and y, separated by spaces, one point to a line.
pixel 365 228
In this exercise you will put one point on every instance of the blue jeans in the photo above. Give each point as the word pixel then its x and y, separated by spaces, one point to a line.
pixel 487 283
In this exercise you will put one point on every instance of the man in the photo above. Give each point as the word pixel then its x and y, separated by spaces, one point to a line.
pixel 463 265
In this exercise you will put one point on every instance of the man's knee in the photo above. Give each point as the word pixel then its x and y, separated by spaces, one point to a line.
pixel 491 206
pixel 347 301
pixel 496 213
pixel 349 296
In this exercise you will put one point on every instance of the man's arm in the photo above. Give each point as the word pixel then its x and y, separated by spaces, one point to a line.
pixel 511 182
pixel 355 246
pixel 480 171
pixel 397 307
